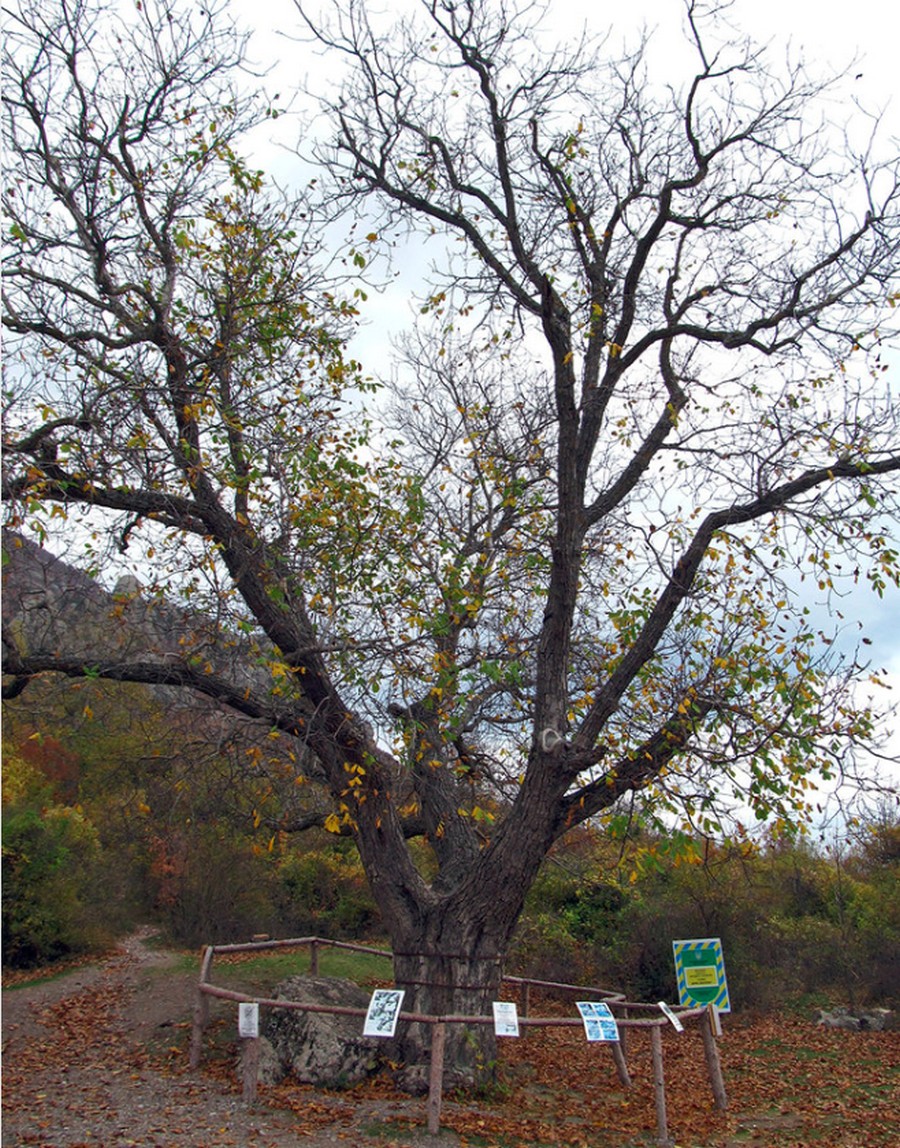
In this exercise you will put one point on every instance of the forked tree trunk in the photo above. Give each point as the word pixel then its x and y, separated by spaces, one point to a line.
pixel 450 937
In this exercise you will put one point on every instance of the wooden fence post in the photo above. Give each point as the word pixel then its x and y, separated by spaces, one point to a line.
pixel 313 959
pixel 199 1023
pixel 249 1067
pixel 201 1011
pixel 436 1078
pixel 618 1055
pixel 713 1064
pixel 659 1088
pixel 623 1034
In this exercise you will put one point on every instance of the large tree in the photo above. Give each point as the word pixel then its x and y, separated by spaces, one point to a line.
pixel 647 392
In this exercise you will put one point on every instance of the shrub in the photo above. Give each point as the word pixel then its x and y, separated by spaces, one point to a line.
pixel 324 892
pixel 210 886
pixel 544 948
pixel 50 858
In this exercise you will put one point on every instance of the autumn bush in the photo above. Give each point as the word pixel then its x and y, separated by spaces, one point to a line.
pixel 323 892
pixel 794 919
pixel 100 834
pixel 51 861
pixel 210 886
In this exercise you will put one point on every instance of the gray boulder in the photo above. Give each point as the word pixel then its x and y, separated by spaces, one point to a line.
pixel 322 1049
pixel 863 1020
pixel 269 1069
pixel 838 1018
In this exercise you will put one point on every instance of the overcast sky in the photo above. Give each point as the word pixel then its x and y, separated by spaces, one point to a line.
pixel 831 34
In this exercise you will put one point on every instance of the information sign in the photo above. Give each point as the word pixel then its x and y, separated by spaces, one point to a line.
pixel 599 1022
pixel 506 1018
pixel 248 1020
pixel 383 1012
pixel 667 1012
pixel 700 972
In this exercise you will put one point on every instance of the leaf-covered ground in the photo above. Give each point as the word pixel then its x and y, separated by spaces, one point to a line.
pixel 98 1058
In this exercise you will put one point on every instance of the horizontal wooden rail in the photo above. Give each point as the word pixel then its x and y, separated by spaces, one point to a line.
pixel 433 1018
pixel 295 942
pixel 592 990
pixel 615 1000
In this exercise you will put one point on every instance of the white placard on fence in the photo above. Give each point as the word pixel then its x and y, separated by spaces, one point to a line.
pixel 599 1022
pixel 383 1011
pixel 669 1015
pixel 506 1018
pixel 248 1020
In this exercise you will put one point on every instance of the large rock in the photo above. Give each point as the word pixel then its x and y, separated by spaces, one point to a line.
pixel 323 1049
pixel 863 1020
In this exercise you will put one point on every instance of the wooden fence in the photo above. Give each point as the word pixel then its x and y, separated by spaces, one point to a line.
pixel 623 1010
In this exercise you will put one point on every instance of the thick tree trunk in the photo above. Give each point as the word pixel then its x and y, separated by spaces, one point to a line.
pixel 450 937
pixel 448 969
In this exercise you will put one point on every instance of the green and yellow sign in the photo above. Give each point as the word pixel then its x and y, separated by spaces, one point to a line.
pixel 700 971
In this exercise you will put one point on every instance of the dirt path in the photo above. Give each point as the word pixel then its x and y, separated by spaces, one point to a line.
pixel 85 1065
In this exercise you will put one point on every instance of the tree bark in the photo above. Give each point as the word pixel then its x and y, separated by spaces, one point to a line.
pixel 449 968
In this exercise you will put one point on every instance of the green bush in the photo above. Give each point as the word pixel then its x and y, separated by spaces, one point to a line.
pixel 594 914
pixel 324 892
pixel 793 919
pixel 570 930
pixel 50 859
pixel 544 948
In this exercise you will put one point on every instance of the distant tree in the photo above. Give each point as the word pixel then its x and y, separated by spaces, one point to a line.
pixel 651 393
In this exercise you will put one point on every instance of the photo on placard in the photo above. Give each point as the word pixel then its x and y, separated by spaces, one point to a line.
pixel 599 1022
pixel 383 1012
pixel 592 1029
